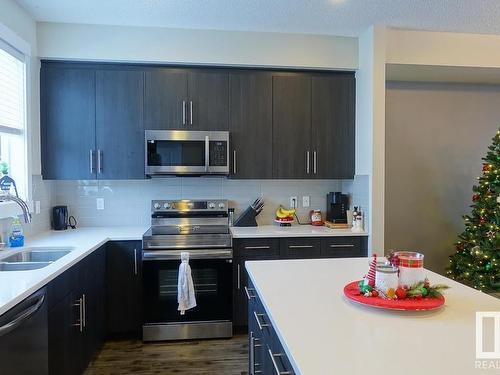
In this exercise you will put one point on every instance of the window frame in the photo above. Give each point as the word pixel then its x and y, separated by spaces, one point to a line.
pixel 19 47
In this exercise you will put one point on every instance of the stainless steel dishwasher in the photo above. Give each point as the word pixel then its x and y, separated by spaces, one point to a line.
pixel 23 337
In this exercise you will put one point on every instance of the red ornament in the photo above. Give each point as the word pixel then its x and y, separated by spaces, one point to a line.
pixel 482 220
pixel 401 293
pixel 475 197
pixel 486 167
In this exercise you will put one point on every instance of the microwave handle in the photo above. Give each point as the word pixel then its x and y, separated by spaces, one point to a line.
pixel 207 153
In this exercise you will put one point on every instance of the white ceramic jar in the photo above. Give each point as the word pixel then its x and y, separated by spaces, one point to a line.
pixel 386 276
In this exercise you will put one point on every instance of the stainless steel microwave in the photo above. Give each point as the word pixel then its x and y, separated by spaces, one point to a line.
pixel 186 152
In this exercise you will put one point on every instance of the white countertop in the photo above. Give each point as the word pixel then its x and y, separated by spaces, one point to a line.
pixel 263 231
pixel 323 333
pixel 17 285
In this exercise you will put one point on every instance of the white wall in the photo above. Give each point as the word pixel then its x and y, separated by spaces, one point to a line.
pixel 153 44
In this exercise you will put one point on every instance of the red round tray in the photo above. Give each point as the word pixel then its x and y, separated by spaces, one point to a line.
pixel 351 291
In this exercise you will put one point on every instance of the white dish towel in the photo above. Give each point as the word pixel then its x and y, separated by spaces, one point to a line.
pixel 185 286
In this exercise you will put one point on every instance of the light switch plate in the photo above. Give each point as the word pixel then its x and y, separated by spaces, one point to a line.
pixel 293 202
pixel 100 203
pixel 305 201
pixel 37 207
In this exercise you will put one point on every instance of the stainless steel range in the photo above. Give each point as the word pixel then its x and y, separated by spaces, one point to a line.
pixel 201 228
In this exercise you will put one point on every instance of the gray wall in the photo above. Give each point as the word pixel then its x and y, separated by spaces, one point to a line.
pixel 436 135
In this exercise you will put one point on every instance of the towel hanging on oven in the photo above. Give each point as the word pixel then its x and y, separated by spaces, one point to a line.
pixel 185 287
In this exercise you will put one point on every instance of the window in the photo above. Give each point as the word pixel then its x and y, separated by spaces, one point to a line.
pixel 13 116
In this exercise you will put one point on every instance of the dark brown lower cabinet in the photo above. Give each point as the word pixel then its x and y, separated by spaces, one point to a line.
pixel 76 320
pixel 124 288
pixel 246 249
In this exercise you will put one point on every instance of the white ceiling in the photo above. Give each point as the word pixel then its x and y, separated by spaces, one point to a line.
pixel 335 17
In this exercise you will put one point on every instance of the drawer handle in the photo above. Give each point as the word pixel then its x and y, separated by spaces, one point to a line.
pixel 257 247
pixel 247 291
pixel 300 246
pixel 261 325
pixel 346 245
pixel 275 364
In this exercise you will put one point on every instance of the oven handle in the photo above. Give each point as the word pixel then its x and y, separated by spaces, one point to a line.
pixel 207 153
pixel 183 247
pixel 176 254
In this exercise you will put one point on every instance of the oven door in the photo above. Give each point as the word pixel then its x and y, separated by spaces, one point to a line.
pixel 179 152
pixel 212 279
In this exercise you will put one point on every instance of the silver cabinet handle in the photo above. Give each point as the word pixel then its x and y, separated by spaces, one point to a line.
pixel 314 161
pixel 251 354
pixel 183 112
pixel 247 291
pixel 190 112
pixel 300 246
pixel 84 309
pixel 99 161
pixel 345 245
pixel 80 314
pixel 261 325
pixel 257 247
pixel 239 277
pixel 22 317
pixel 275 364
pixel 91 156
pixel 307 162
pixel 135 262
pixel 234 161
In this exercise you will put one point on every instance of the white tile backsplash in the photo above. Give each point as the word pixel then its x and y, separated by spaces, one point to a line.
pixel 128 202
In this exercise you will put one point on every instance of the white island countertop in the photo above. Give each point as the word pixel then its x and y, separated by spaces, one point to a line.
pixel 325 334
pixel 267 231
pixel 15 286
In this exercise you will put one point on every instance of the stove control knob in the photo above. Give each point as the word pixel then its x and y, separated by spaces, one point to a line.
pixel 221 205
pixel 166 205
pixel 157 206
pixel 211 205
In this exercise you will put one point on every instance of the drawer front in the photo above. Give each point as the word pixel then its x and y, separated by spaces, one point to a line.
pixel 342 247
pixel 300 248
pixel 256 248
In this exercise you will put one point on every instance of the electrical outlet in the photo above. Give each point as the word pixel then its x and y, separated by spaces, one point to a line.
pixel 100 203
pixel 305 201
pixel 37 207
pixel 293 202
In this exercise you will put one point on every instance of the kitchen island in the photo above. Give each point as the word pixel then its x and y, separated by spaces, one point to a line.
pixel 320 332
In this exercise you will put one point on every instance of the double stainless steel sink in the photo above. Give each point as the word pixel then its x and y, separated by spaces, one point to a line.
pixel 33 258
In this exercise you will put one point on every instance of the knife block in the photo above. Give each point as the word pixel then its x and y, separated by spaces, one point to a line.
pixel 247 218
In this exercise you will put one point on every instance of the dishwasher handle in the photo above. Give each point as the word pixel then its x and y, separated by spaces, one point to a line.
pixel 23 316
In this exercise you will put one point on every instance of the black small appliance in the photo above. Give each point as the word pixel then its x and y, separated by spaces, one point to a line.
pixel 60 217
pixel 336 207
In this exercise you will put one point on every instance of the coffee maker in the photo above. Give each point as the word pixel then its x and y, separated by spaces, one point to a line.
pixel 337 205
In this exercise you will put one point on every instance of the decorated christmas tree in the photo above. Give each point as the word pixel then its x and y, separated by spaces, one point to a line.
pixel 477 258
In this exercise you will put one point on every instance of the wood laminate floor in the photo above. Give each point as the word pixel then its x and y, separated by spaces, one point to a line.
pixel 204 357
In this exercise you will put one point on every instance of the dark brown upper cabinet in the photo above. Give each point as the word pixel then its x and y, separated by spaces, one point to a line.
pixel 119 128
pixel 165 99
pixel 332 126
pixel 292 125
pixel 251 124
pixel 67 123
pixel 208 105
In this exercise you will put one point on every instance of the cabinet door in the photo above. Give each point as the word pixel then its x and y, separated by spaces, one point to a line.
pixel 333 130
pixel 343 247
pixel 67 123
pixel 64 332
pixel 208 107
pixel 300 248
pixel 292 155
pixel 165 99
pixel 251 125
pixel 120 132
pixel 124 287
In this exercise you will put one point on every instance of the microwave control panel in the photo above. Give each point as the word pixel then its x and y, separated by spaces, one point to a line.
pixel 218 153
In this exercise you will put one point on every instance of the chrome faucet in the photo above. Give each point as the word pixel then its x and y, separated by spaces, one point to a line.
pixel 5 196
pixel 21 203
